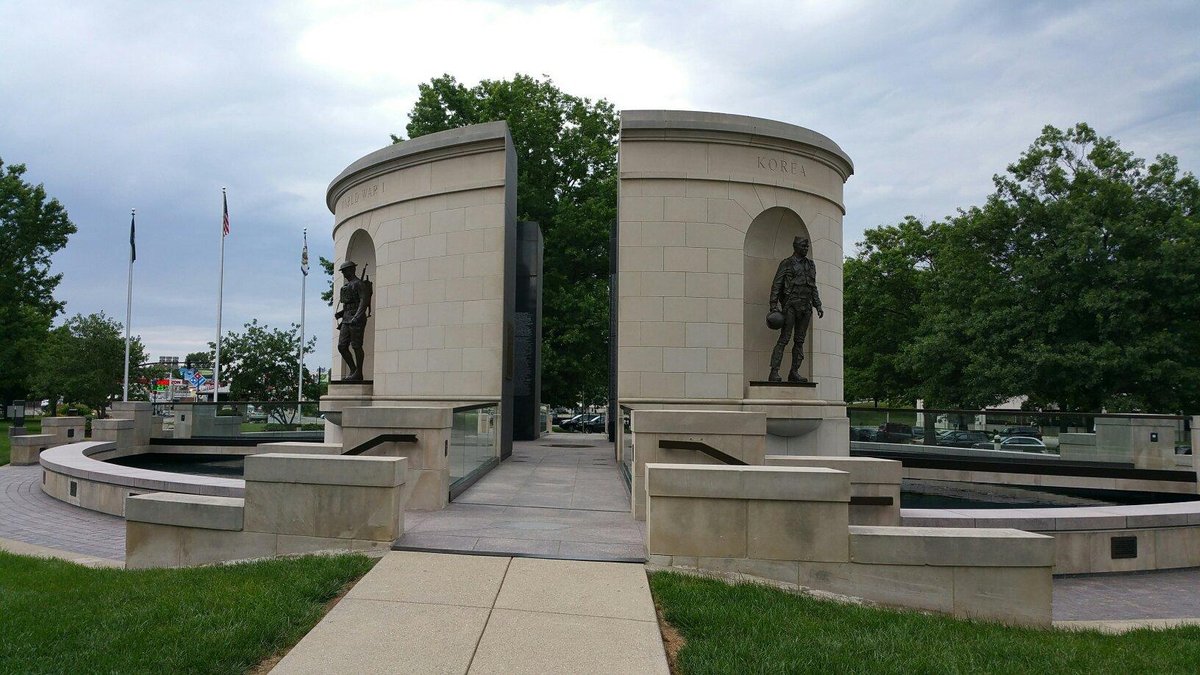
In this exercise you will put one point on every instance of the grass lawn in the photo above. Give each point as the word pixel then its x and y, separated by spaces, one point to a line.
pixel 61 617
pixel 750 628
pixel 32 424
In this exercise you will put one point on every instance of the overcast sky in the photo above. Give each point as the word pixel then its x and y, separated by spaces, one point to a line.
pixel 156 105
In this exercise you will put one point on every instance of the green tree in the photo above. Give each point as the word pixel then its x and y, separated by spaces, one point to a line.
pixel 1074 284
pixel 260 364
pixel 885 283
pixel 199 360
pixel 327 267
pixel 32 228
pixel 566 182
pixel 83 361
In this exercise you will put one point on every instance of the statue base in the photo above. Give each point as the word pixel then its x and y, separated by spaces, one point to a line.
pixel 789 391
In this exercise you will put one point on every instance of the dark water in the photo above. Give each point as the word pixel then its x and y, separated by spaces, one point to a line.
pixel 220 466
pixel 947 495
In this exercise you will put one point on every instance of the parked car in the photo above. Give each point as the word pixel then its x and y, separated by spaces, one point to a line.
pixel 1023 444
pixel 962 439
pixel 596 425
pixel 895 432
pixel 864 434
pixel 574 424
pixel 1032 432
pixel 1016 444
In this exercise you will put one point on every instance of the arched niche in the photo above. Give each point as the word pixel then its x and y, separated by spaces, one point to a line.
pixel 361 250
pixel 768 241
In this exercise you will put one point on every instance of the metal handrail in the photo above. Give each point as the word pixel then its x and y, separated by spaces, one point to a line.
pixel 380 440
pixel 704 448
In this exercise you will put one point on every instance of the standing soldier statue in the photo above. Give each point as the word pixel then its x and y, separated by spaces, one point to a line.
pixel 794 295
pixel 355 297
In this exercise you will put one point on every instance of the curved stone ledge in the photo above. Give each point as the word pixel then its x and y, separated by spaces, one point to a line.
pixel 1167 536
pixel 101 486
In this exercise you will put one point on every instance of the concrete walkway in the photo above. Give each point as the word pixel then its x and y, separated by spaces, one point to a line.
pixel 561 496
pixel 442 613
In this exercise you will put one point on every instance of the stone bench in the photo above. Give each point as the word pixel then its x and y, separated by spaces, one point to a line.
pixel 293 504
pixel 27 448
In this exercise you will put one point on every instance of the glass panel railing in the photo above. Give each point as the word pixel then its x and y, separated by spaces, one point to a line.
pixel 1145 441
pixel 473 443
pixel 248 420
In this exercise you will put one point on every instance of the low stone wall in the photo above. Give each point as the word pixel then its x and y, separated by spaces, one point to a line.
pixel 72 475
pixel 26 449
pixel 874 484
pixel 294 503
pixel 1093 539
pixel 739 434
pixel 792 524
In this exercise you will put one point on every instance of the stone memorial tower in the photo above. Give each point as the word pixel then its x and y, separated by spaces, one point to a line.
pixel 432 222
pixel 709 206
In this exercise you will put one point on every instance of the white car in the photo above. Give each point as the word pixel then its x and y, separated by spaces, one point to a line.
pixel 1023 444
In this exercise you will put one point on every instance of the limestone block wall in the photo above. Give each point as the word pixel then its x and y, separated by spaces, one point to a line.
pixel 438 215
pixel 791 524
pixel 294 504
pixel 874 484
pixel 709 205
pixel 739 434
pixel 428 485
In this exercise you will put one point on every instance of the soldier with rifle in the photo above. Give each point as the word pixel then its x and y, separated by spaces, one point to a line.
pixel 355 298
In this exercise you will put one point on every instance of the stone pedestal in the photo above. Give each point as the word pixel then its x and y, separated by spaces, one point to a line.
pixel 64 429
pixel 142 414
pixel 123 432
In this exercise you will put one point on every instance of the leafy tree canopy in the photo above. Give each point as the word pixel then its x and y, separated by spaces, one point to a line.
pixel 566 167
pixel 32 228
pixel 260 363
pixel 1075 284
pixel 83 361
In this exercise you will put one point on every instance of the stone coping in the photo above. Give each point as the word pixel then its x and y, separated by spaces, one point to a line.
pixel 32 439
pixel 61 421
pixel 403 154
pixel 74 460
pixel 202 511
pixel 950 547
pixel 696 120
pixel 775 483
pixel 861 469
pixel 1062 519
pixel 694 422
pixel 355 470
pixel 399 417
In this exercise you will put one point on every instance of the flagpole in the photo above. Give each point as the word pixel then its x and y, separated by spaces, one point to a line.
pixel 220 297
pixel 129 305
pixel 300 375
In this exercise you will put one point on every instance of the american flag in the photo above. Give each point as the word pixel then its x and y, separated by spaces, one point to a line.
pixel 304 256
pixel 224 215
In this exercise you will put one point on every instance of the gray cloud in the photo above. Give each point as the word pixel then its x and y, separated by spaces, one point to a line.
pixel 159 105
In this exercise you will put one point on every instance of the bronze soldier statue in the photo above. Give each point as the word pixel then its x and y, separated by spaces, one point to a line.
pixel 355 296
pixel 794 294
